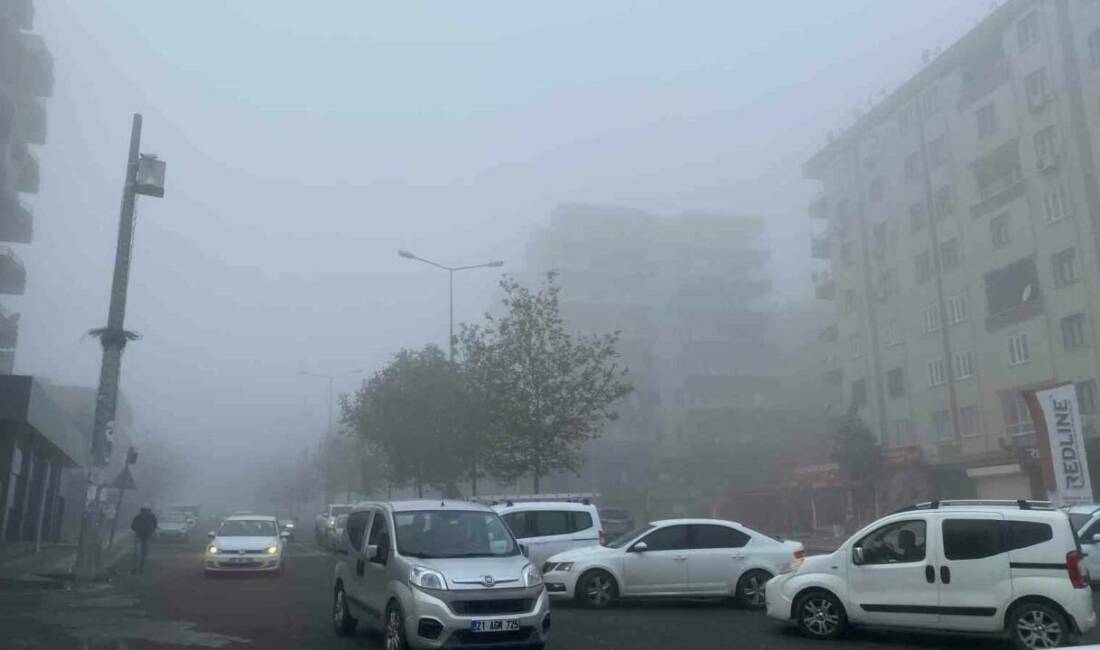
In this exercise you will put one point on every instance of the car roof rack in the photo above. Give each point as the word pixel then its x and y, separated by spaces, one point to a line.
pixel 1022 504
pixel 511 499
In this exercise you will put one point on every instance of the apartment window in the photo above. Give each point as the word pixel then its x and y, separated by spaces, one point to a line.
pixel 1086 397
pixel 923 264
pixel 1016 414
pixel 956 309
pixel 877 189
pixel 916 217
pixel 859 393
pixel 999 232
pixel 1018 351
pixel 1064 266
pixel 968 420
pixel 1027 31
pixel 856 345
pixel 1037 87
pixel 891 334
pixel 1073 332
pixel 937 151
pixel 1094 47
pixel 937 372
pixel 941 425
pixel 895 382
pixel 903 432
pixel 912 168
pixel 930 319
pixel 849 301
pixel 944 204
pixel 963 365
pixel 1046 143
pixel 1054 204
pixel 987 120
pixel 886 285
pixel 950 257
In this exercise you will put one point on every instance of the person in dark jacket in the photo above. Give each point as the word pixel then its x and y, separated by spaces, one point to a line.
pixel 144 525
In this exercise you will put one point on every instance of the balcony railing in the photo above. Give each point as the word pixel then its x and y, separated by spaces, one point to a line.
pixel 1019 313
pixel 16 225
pixel 998 193
pixel 13 276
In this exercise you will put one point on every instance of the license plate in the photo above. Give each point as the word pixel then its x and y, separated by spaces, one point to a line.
pixel 494 626
pixel 242 560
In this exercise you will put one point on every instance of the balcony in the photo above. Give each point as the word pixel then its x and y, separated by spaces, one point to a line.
pixel 819 207
pixel 16 224
pixel 30 121
pixel 9 329
pixel 820 247
pixel 13 276
pixel 824 285
pixel 998 193
pixel 828 334
pixel 26 65
pixel 26 169
pixel 1019 313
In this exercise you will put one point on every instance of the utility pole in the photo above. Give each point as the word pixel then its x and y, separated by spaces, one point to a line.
pixel 144 175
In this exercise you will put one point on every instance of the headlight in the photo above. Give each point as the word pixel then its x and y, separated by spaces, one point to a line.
pixel 289 526
pixel 213 550
pixel 547 567
pixel 272 550
pixel 425 578
pixel 531 576
pixel 564 567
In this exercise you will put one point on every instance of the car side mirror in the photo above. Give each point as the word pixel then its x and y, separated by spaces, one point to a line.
pixel 211 535
pixel 525 549
pixel 640 547
pixel 858 556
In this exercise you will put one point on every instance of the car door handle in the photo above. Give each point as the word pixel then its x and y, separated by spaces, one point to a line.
pixel 945 575
pixel 738 556
pixel 929 573
pixel 680 558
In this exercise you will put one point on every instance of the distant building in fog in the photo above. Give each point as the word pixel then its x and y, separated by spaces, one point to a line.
pixel 710 380
pixel 960 247
pixel 26 76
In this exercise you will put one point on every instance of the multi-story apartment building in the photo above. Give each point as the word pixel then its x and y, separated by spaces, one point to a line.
pixel 962 238
pixel 708 377
pixel 26 76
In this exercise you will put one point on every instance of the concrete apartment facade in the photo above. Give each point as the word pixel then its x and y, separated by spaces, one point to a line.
pixel 960 242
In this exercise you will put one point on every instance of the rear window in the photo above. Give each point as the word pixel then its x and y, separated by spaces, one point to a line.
pixel 1021 534
pixel 542 523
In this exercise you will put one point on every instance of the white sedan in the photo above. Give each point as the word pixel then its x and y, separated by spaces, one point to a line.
pixel 246 543
pixel 674 557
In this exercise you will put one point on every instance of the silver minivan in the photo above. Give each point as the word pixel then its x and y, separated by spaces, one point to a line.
pixel 437 573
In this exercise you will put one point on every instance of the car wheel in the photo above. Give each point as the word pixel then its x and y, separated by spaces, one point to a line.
pixel 820 615
pixel 750 589
pixel 597 589
pixel 342 620
pixel 395 628
pixel 1036 625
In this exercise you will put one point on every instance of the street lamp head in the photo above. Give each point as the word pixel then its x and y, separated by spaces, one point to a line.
pixel 496 263
pixel 406 254
pixel 150 176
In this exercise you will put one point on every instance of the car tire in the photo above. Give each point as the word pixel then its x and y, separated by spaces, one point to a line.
pixel 820 615
pixel 393 630
pixel 750 589
pixel 1034 625
pixel 342 620
pixel 596 589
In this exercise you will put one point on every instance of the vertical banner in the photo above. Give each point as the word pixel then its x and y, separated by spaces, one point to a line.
pixel 1061 443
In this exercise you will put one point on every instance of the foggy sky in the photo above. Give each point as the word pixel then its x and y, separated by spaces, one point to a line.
pixel 306 142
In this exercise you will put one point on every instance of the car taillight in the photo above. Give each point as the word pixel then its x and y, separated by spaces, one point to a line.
pixel 1077 574
pixel 800 554
pixel 603 538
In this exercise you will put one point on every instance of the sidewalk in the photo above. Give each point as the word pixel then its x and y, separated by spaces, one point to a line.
pixel 22 567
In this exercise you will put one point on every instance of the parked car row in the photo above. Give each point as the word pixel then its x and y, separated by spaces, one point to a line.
pixel 452 573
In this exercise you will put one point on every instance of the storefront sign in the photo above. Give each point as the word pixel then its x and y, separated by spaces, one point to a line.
pixel 1058 421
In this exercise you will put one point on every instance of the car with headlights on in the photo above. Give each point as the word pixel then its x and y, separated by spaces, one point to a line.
pixel 324 526
pixel 433 574
pixel 245 543
pixel 695 558
pixel 173 527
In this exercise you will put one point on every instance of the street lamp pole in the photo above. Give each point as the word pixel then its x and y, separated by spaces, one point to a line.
pixel 450 272
pixel 331 395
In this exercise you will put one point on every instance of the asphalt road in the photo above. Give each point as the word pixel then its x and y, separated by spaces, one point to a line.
pixel 174 606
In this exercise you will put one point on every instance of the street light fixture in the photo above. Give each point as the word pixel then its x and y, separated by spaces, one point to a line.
pixel 451 272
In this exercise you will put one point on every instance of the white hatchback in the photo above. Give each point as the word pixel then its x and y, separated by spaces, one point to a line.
pixel 675 557
pixel 246 543
pixel 978 567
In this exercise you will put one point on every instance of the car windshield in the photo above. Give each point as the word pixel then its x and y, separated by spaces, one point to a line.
pixel 173 518
pixel 248 528
pixel 623 540
pixel 450 534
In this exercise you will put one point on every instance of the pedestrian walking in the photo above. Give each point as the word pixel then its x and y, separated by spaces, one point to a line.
pixel 144 525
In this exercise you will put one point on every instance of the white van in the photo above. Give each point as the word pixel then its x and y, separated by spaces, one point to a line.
pixel 1008 567
pixel 550 527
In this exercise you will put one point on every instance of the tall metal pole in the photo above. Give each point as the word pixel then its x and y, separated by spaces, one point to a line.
pixel 451 328
pixel 113 338
pixel 330 380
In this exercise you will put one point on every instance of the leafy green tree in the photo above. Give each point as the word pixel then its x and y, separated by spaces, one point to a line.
pixel 857 451
pixel 544 391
